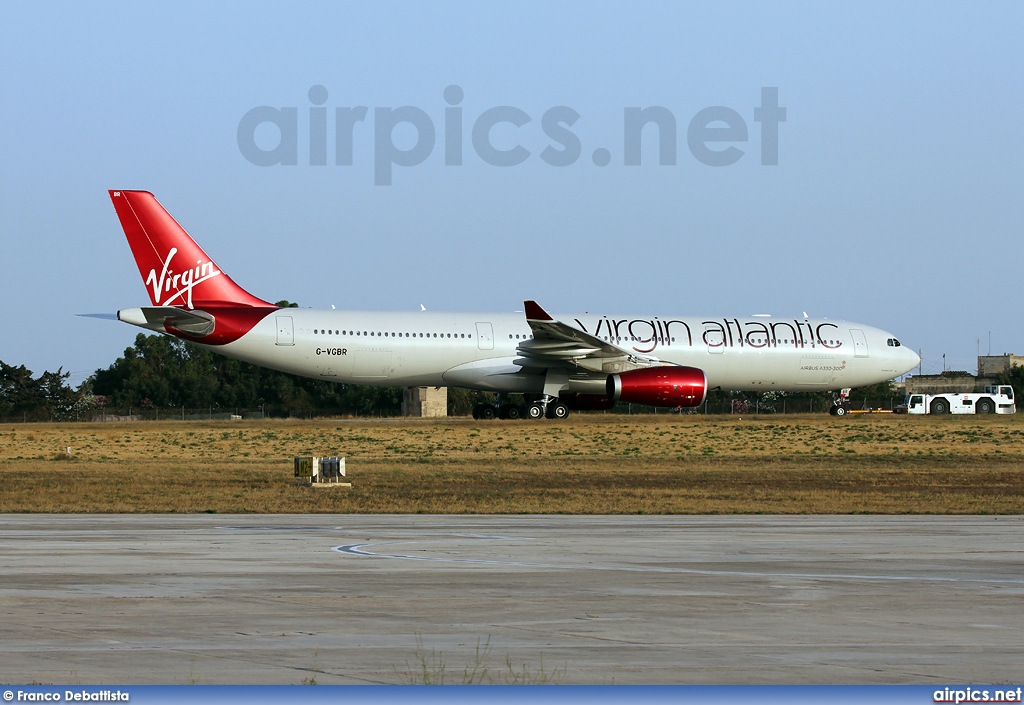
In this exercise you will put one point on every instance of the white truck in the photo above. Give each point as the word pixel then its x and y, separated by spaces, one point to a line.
pixel 997 399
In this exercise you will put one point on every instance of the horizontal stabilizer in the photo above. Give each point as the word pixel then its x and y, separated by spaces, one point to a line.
pixel 159 318
pixel 104 316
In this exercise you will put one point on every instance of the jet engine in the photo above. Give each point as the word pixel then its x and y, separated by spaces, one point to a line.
pixel 660 386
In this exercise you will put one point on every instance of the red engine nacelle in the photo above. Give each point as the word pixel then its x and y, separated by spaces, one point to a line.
pixel 660 386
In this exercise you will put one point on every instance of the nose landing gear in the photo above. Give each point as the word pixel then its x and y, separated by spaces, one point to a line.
pixel 840 402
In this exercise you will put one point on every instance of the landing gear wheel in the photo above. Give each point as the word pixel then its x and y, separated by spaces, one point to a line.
pixel 839 411
pixel 476 412
pixel 512 412
pixel 534 410
pixel 557 410
pixel 487 412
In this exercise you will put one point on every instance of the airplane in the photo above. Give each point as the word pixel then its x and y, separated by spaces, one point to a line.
pixel 559 362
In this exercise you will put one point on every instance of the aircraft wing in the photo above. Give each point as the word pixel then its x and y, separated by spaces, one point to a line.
pixel 160 318
pixel 556 343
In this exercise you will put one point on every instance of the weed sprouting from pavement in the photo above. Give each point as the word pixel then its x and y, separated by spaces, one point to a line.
pixel 431 668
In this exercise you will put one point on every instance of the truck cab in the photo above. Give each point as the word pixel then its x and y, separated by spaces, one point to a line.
pixel 1003 389
pixel 915 404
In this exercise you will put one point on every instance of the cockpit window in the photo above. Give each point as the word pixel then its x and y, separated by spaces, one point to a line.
pixel 892 343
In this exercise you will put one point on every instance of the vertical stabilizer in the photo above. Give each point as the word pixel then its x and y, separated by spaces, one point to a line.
pixel 174 268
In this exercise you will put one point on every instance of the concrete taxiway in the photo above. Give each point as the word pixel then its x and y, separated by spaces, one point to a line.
pixel 378 599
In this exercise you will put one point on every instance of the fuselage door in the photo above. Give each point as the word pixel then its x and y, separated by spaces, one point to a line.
pixel 715 340
pixel 285 331
pixel 484 336
pixel 860 343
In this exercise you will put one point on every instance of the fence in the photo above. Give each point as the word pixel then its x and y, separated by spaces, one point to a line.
pixel 215 413
pixel 724 405
pixel 115 414
pixel 757 406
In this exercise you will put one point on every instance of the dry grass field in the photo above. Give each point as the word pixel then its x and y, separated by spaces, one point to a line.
pixel 598 464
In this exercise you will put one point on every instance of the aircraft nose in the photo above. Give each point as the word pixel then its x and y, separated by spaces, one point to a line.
pixel 912 359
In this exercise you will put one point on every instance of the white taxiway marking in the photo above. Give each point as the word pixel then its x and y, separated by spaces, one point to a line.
pixel 362 550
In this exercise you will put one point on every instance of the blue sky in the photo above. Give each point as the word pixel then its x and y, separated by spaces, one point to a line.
pixel 896 200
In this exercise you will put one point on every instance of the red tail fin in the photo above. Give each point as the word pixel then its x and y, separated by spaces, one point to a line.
pixel 175 269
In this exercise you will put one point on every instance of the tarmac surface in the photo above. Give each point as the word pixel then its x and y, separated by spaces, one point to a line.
pixel 102 599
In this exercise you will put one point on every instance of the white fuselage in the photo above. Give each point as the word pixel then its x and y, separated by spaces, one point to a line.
pixel 478 350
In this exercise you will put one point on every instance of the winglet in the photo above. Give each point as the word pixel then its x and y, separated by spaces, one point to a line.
pixel 535 313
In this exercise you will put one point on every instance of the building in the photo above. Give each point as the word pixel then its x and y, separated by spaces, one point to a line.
pixel 425 401
pixel 949 381
pixel 995 365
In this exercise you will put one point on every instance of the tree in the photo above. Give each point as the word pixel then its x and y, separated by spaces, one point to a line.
pixel 17 390
pixel 166 372
pixel 44 398
pixel 1015 378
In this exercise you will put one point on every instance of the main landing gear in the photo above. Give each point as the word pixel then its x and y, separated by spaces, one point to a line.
pixel 840 402
pixel 535 407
